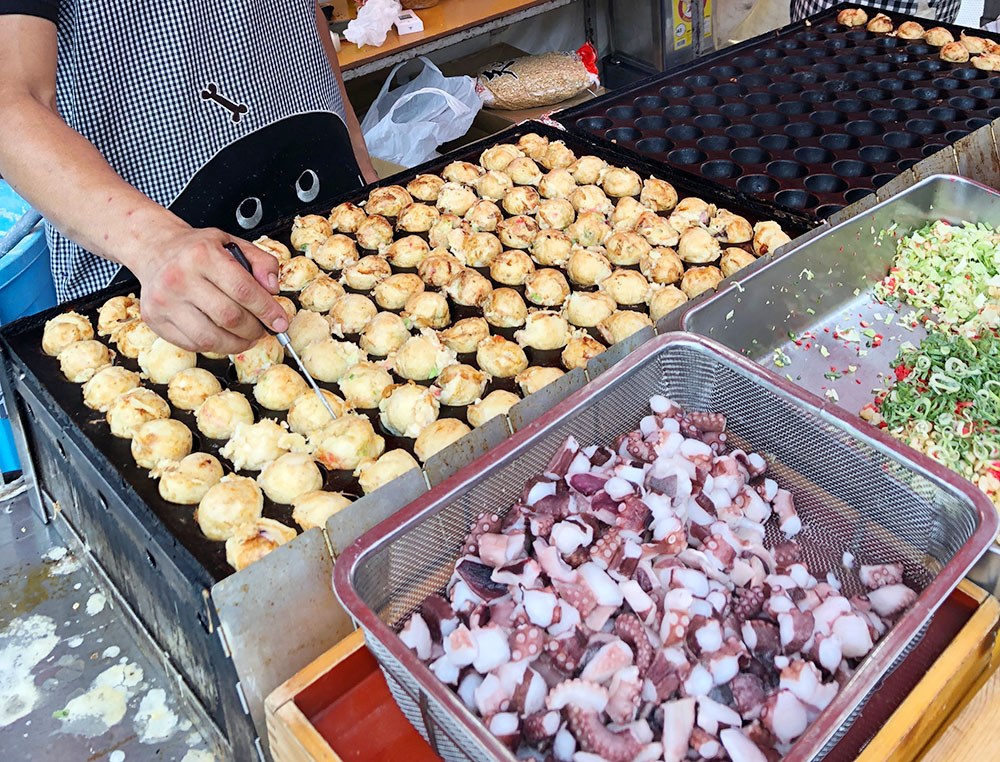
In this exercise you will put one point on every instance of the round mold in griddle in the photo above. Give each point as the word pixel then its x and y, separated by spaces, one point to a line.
pixel 919 49
pixel 898 58
pixel 969 73
pixel 813 155
pixel 769 120
pixel 977 122
pixel 975 99
pixel 684 133
pixel 825 184
pixel 850 105
pixel 799 130
pixel 906 104
pixel 736 110
pixel 878 154
pixel 797 61
pixel 654 145
pixel 912 75
pixel 594 123
pixel 769 53
pixel 747 62
pixel 762 99
pixel 715 143
pixel 994 81
pixel 884 115
pixel 789 43
pixel 925 126
pixel 944 113
pixel 623 112
pixel 829 68
pixel 652 122
pixel 743 131
pixel 777 143
pixel 850 60
pixel 872 94
pixel 711 121
pixel 679 111
pixel 879 67
pixel 835 44
pixel 721 169
pixel 853 168
pixel 700 80
pixel 810 36
pixel 946 83
pixel 931 65
pixel 889 43
pixel 827 118
pixel 807 77
pixel 856 194
pixel 856 35
pixel 750 155
pixel 725 71
pixel 927 94
pixel 906 164
pixel 784 169
pixel 828 210
pixel 953 136
pixel 686 156
pixel 817 96
pixel 879 180
pixel 623 134
pixel 649 102
pixel 839 85
pixel 864 128
pixel 676 91
pixel 729 90
pixel 784 88
pixel 830 28
pixel 994 112
pixel 892 85
pixel 752 81
pixel 757 184
pixel 857 76
pixel 793 108
pixel 901 139
pixel 706 100
pixel 930 149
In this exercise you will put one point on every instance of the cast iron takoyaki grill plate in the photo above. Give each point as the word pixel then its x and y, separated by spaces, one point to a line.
pixel 811 117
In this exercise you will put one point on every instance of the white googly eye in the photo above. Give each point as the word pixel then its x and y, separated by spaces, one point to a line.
pixel 249 213
pixel 307 186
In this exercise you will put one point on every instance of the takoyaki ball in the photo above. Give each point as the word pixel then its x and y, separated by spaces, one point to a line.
pixel 627 213
pixel 697 246
pixel 987 62
pixel 734 259
pixel 407 409
pixel 461 172
pixel 479 249
pixel 306 327
pixel 579 351
pixel 536 377
pixel 768 237
pixel 586 309
pixel 621 181
pixel 296 273
pixel 626 287
pixel 427 309
pixel 691 212
pixel 493 186
pixel 546 288
pixel 461 385
pixel 697 280
pixel 417 218
pixel 511 268
pixel 346 217
pixel 133 337
pixel 231 503
pixel 852 17
pixel 65 329
pixel 344 444
pixel 335 253
pixel 590 198
pixel 627 248
pixel 484 216
pixel 82 359
pixel 954 52
pixel 458 238
pixel 128 411
pixel 107 384
pixel 308 413
pixel 407 252
pixel 159 442
pixel 622 324
pixel 425 187
pixel 363 385
pixel 500 358
pixel 557 156
pixel 465 336
pixel 441 231
pixel 587 267
pixel 287 305
pixel 551 248
pixel 220 414
pixel 521 200
pixel 588 170
pixel 391 465
pixel 291 475
pixel 498 157
pixel 662 266
pixel 457 199
pixel 517 232
pixel 113 314
pixel 558 183
pixel 910 30
pixel 544 330
pixel 250 363
pixel 387 201
pixel 186 481
pixel 384 334
pixel 437 436
pixel 880 24
pixel 374 234
pixel 313 509
pixel 730 228
pixel 555 213
pixel 505 308
pixel 498 402
pixel 364 274
pixel 321 294
pixel 328 359
pixel 665 300
pixel 658 195
pixel 524 171
pixel 251 542
pixel 278 386
pixel 469 288
pixel 395 291
pixel 422 358
pixel 938 37
pixel 533 145
pixel 309 228
pixel 251 447
pixel 191 387
pixel 657 230
pixel 975 45
pixel 276 249
pixel 351 313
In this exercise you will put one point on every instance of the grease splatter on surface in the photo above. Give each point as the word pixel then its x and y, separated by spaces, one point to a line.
pixel 24 643
pixel 104 705
pixel 96 603
pixel 116 756
pixel 154 721
pixel 198 755
pixel 111 652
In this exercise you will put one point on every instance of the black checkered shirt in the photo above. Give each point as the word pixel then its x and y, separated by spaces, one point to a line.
pixel 939 10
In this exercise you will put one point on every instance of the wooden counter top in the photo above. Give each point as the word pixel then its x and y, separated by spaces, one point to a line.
pixel 975 733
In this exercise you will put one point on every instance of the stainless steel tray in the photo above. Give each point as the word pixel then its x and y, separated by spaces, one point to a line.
pixel 856 491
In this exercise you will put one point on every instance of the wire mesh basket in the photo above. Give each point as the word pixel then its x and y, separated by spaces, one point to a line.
pixel 855 490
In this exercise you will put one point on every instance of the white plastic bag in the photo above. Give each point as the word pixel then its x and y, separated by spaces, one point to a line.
pixel 405 126
pixel 373 23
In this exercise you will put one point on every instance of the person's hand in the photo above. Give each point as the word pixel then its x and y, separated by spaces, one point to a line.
pixel 195 295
